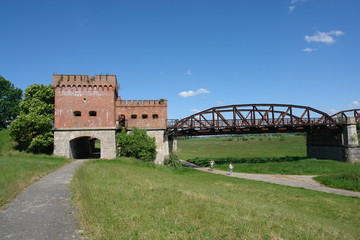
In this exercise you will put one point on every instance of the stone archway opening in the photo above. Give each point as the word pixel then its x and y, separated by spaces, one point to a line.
pixel 85 147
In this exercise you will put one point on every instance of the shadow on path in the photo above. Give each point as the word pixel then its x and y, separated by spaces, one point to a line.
pixel 43 210
pixel 300 181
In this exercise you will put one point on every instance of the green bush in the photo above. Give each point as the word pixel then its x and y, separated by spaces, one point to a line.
pixel 173 161
pixel 136 144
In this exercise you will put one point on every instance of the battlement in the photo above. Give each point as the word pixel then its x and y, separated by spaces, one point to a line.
pixel 133 103
pixel 62 80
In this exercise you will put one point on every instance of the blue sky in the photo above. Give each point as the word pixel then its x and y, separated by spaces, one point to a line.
pixel 196 54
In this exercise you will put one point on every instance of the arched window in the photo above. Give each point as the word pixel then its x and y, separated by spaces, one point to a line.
pixel 77 114
pixel 155 116
pixel 92 113
pixel 121 120
pixel 144 116
pixel 134 116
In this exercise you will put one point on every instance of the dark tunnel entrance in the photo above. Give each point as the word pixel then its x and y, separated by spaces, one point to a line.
pixel 85 147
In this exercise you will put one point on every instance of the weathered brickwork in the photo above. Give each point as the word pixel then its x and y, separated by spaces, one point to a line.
pixel 88 107
pixel 85 102
pixel 142 113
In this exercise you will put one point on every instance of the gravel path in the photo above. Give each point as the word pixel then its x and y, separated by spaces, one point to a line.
pixel 301 181
pixel 43 210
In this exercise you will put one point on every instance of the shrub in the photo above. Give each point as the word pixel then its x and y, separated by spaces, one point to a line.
pixel 173 161
pixel 136 144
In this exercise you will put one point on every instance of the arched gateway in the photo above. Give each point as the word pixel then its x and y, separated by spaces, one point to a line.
pixel 89 108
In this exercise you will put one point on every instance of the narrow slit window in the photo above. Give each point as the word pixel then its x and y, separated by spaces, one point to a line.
pixel 133 116
pixel 155 116
pixel 77 114
pixel 92 113
pixel 144 116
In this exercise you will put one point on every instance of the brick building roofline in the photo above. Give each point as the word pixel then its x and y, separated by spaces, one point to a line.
pixel 161 102
pixel 72 79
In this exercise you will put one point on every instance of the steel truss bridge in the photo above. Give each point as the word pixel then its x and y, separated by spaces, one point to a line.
pixel 258 118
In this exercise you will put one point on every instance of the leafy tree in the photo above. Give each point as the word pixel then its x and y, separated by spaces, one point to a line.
pixel 32 129
pixel 10 97
pixel 136 144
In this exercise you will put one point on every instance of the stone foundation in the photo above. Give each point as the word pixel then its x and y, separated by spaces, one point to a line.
pixel 64 142
pixel 164 144
pixel 335 144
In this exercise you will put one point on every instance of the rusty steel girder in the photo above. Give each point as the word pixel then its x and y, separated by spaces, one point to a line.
pixel 253 118
pixel 348 113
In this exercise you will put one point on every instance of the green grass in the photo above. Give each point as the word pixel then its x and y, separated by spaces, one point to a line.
pixel 287 145
pixel 268 155
pixel 300 167
pixel 348 180
pixel 19 170
pixel 122 199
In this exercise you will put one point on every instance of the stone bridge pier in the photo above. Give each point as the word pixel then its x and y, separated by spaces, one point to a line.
pixel 164 144
pixel 341 145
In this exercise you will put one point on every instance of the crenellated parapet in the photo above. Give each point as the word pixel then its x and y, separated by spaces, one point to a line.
pixel 132 103
pixel 85 82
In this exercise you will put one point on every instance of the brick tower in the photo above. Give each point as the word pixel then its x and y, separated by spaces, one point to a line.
pixel 89 112
pixel 84 112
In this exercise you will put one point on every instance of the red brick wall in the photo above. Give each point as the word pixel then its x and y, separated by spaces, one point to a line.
pixel 85 94
pixel 149 113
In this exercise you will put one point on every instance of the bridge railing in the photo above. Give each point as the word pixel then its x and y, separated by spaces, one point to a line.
pixel 196 124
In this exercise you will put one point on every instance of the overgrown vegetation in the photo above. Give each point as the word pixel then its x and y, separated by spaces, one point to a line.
pixel 140 201
pixel 32 129
pixel 136 144
pixel 347 180
pixel 18 170
pixel 173 161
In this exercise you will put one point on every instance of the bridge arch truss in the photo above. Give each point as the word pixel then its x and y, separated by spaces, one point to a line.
pixel 348 113
pixel 252 118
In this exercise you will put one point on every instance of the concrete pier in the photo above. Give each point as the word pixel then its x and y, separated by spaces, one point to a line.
pixel 341 145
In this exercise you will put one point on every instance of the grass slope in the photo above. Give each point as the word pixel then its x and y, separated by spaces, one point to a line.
pixel 19 170
pixel 284 154
pixel 253 147
pixel 132 200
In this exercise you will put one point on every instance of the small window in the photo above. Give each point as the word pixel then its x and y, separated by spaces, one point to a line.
pixel 77 114
pixel 133 116
pixel 92 113
pixel 144 116
pixel 155 116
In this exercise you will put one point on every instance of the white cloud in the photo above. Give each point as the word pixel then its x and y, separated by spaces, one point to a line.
pixel 291 8
pixel 296 1
pixel 293 3
pixel 189 73
pixel 354 104
pixel 333 111
pixel 191 93
pixel 219 103
pixel 324 37
pixel 195 110
pixel 309 49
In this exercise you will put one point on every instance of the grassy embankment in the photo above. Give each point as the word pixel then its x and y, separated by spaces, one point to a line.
pixel 126 199
pixel 19 170
pixel 284 154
